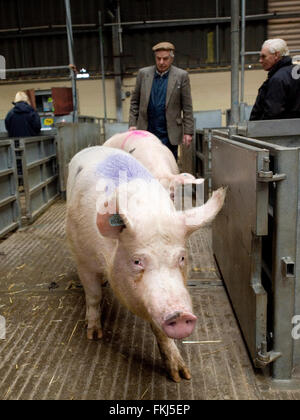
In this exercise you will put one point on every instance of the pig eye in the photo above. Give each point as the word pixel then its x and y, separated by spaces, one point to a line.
pixel 182 260
pixel 138 263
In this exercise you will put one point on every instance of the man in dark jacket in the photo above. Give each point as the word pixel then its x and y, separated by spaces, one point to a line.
pixel 22 120
pixel 279 95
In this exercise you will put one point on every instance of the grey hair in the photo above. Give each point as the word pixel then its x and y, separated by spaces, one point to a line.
pixel 21 97
pixel 277 45
pixel 171 52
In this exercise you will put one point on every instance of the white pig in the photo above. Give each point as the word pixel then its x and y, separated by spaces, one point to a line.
pixel 127 228
pixel 154 155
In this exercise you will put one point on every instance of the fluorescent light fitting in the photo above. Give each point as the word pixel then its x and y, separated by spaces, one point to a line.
pixel 82 76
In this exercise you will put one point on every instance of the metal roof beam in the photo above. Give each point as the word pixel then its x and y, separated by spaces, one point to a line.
pixel 83 28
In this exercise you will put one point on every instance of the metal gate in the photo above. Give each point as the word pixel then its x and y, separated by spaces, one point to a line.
pixel 33 170
pixel 9 199
pixel 255 243
pixel 70 139
pixel 202 165
pixel 39 173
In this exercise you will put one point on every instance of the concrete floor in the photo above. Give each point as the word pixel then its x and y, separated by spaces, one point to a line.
pixel 45 354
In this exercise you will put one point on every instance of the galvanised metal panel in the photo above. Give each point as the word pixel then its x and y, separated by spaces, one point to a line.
pixel 202 156
pixel 88 134
pixel 9 196
pixel 237 234
pixel 70 139
pixel 208 119
pixel 245 112
pixel 277 259
pixel 195 158
pixel 270 130
pixel 2 127
pixel 114 128
pixel 281 249
pixel 66 149
pixel 39 173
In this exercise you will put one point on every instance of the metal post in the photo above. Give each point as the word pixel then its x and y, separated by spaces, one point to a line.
pixel 102 64
pixel 284 248
pixel 217 35
pixel 120 28
pixel 234 119
pixel 23 61
pixel 243 28
pixel 117 71
pixel 71 57
pixel 30 69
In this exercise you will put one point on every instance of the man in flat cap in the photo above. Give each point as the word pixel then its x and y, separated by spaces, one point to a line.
pixel 161 101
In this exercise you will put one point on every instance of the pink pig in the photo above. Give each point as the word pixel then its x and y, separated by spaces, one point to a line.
pixel 156 157
pixel 128 229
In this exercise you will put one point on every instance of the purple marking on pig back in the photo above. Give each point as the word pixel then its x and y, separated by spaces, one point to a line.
pixel 118 168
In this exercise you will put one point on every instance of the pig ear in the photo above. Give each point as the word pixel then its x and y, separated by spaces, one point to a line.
pixel 106 228
pixel 201 216
pixel 182 179
pixel 111 223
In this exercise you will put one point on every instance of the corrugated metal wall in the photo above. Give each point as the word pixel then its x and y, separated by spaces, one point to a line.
pixel 196 45
pixel 33 32
pixel 288 29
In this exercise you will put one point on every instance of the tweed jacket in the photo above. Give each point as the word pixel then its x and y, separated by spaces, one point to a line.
pixel 179 109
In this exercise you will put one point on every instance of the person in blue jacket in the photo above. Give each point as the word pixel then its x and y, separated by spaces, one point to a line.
pixel 22 120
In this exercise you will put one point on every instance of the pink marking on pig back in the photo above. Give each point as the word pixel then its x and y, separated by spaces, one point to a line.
pixel 135 133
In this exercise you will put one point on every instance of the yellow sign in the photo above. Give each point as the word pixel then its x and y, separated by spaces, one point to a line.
pixel 48 121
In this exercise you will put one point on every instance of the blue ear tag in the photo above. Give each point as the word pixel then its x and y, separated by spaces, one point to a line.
pixel 116 220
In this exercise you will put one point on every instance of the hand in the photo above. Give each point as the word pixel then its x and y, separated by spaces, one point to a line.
pixel 131 128
pixel 73 67
pixel 187 140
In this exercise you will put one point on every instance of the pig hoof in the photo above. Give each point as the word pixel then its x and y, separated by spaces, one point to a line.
pixel 182 372
pixel 185 373
pixel 94 333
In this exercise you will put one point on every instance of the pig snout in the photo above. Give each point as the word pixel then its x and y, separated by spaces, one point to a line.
pixel 179 324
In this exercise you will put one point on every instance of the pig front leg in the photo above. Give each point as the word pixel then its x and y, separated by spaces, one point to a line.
pixel 171 357
pixel 93 294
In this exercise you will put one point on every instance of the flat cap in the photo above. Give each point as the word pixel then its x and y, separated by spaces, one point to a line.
pixel 163 46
